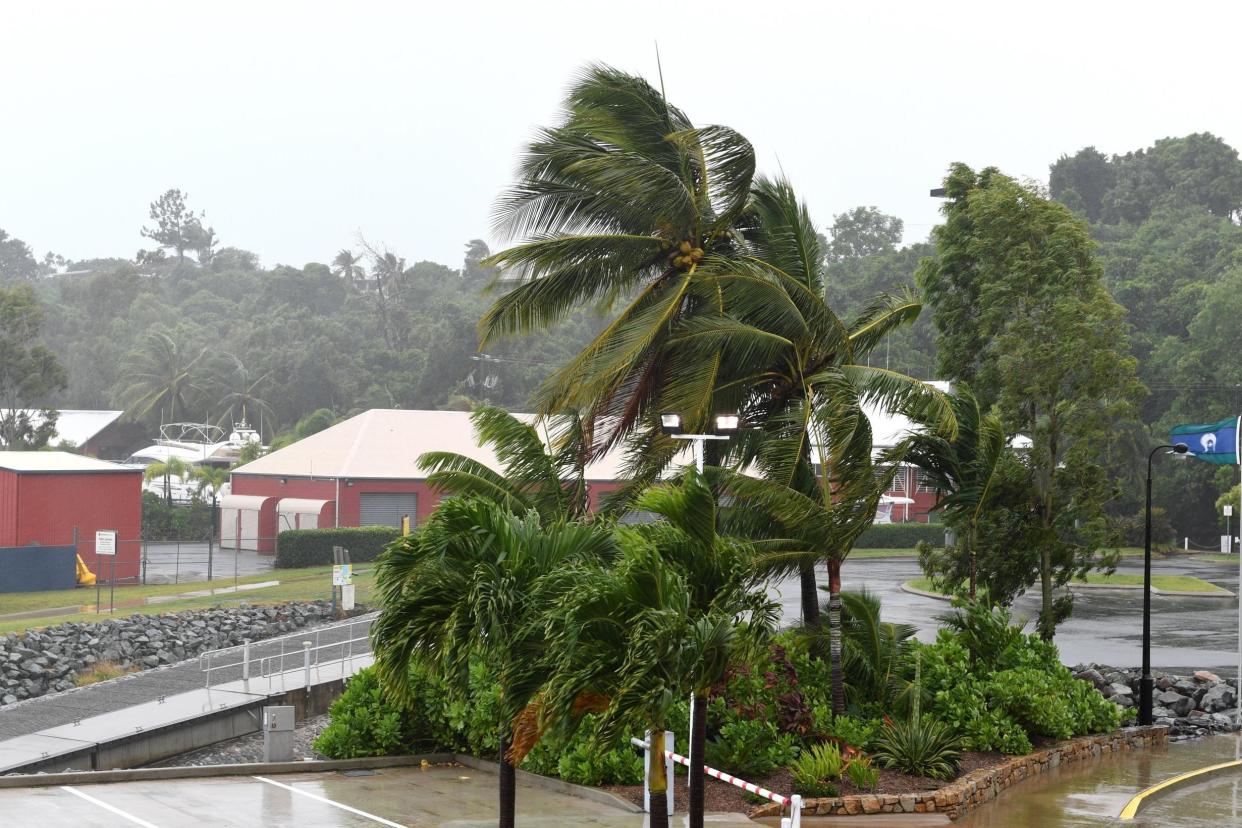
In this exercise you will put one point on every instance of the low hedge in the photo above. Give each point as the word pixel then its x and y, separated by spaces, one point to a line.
pixel 313 547
pixel 900 535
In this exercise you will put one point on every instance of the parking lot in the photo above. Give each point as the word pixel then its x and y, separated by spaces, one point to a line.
pixel 408 797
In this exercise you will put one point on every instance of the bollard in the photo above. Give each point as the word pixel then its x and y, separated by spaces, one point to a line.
pixel 668 769
pixel 306 651
pixel 647 772
pixel 795 811
pixel 246 663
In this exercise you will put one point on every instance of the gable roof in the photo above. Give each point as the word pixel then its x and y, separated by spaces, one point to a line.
pixel 385 444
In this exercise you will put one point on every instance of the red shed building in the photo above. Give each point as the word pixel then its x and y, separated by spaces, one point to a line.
pixel 46 495
pixel 360 472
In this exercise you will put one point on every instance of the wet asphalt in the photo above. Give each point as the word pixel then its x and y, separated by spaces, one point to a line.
pixel 1106 626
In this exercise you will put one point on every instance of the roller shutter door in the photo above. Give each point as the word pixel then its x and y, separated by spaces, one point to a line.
pixel 387 508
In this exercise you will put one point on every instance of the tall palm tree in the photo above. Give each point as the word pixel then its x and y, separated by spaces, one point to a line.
pixel 165 377
pixel 242 400
pixel 966 468
pixel 625 203
pixel 543 474
pixel 802 371
pixel 474 583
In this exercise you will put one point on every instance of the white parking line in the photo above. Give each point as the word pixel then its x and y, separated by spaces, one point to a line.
pixel 108 807
pixel 327 801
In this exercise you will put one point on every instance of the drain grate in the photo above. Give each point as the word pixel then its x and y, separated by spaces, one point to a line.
pixel 358 773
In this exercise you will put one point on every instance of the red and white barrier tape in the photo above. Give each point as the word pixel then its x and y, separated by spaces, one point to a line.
pixel 732 780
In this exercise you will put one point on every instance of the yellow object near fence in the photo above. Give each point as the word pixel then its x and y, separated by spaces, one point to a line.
pixel 85 576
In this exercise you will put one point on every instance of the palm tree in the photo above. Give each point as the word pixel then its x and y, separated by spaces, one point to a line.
pixel 628 204
pixel 211 480
pixel 722 578
pixel 164 377
pixel 550 481
pixel 347 265
pixel 167 469
pixel 474 583
pixel 242 400
pixel 630 635
pixel 875 652
pixel 967 467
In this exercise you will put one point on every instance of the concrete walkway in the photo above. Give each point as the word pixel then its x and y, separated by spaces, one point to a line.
pixel 63 724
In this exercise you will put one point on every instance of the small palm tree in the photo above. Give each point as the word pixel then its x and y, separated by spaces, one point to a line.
pixel 347 265
pixel 551 481
pixel 211 480
pixel 167 469
pixel 475 583
pixel 661 625
pixel 966 467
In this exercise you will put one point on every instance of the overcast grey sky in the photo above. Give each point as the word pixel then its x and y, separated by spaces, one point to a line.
pixel 297 126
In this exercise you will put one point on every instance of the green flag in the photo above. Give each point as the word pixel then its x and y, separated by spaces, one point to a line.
pixel 1215 443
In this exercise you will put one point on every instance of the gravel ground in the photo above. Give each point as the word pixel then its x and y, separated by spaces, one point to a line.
pixel 250 748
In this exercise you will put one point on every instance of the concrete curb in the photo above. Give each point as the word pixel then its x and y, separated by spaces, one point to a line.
pixel 32 780
pixel 1223 593
pixel 554 785
pixel 913 590
pixel 1194 777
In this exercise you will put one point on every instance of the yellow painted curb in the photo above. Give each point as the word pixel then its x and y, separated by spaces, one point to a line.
pixel 1140 799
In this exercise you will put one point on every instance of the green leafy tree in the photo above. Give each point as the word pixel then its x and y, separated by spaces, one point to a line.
pixel 167 470
pixel 1022 316
pixel 29 372
pixel 476 583
pixel 863 231
pixel 177 227
pixel 1082 181
pixel 1198 169
pixel 17 262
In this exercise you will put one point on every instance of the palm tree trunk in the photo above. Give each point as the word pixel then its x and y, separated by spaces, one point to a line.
pixel 698 738
pixel 657 784
pixel 834 636
pixel 810 595
pixel 508 787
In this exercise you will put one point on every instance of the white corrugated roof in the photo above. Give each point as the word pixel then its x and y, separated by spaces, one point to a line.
pixel 57 461
pixel 385 443
pixel 75 425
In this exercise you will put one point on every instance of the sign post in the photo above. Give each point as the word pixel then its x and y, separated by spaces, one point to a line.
pixel 105 544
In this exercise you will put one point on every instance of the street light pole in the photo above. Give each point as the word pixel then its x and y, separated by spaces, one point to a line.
pixel 1146 683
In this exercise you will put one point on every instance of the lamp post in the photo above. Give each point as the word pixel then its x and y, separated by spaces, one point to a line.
pixel 1146 683
pixel 672 425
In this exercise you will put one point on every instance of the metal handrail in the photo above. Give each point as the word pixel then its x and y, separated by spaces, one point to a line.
pixel 208 663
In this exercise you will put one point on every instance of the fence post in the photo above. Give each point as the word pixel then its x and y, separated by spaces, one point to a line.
pixel 306 652
pixel 647 772
pixel 795 811
pixel 669 748
pixel 246 663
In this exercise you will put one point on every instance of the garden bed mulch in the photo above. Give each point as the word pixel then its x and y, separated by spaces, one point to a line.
pixel 719 797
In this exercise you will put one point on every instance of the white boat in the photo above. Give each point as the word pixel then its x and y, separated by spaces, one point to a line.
pixel 195 444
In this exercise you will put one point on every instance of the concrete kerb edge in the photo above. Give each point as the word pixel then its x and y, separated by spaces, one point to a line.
pixel 32 780
pixel 555 785
pixel 913 590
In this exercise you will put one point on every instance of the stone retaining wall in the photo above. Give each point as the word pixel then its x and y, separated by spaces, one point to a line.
pixel 985 784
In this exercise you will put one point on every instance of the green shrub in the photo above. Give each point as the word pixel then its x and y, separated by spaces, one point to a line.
pixel 364 723
pixel 816 768
pixel 920 746
pixel 313 547
pixel 900 535
pixel 855 732
pixel 863 775
pixel 750 747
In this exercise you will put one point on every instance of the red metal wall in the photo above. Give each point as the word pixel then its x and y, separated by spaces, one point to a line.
pixel 45 508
